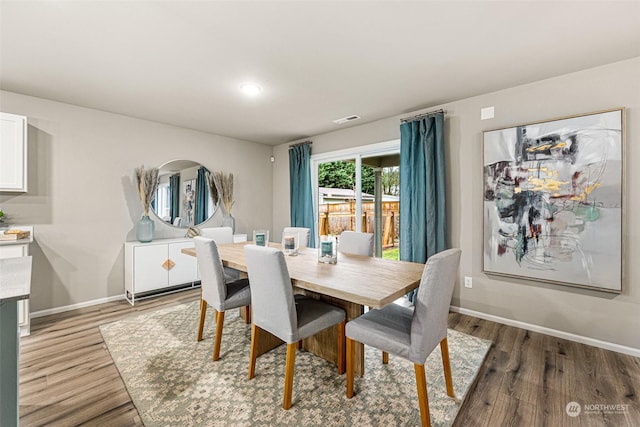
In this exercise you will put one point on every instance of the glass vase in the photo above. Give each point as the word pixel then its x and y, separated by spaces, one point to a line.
pixel 290 243
pixel 229 221
pixel 145 228
pixel 328 250
pixel 261 237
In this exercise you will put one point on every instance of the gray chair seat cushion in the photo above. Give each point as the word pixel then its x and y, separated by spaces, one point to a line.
pixel 238 294
pixel 388 329
pixel 315 316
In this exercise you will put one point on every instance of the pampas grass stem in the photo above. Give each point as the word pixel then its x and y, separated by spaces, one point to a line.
pixel 224 187
pixel 147 181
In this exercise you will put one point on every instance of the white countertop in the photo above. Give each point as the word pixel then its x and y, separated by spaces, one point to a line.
pixel 17 242
pixel 15 278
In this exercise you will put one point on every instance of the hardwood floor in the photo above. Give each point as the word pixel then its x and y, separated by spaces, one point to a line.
pixel 528 379
pixel 67 376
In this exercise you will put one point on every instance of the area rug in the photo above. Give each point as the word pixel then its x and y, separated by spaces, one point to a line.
pixel 173 381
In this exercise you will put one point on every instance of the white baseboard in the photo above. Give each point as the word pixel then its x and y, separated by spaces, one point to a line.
pixel 57 310
pixel 548 331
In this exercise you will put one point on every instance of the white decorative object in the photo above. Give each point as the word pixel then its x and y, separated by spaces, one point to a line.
pixel 239 238
pixel 13 153
pixel 157 266
pixel 14 249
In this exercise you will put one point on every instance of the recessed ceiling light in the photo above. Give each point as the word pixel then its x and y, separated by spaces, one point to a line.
pixel 250 89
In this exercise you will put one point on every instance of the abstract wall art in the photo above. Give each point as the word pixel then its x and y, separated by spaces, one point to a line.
pixel 553 201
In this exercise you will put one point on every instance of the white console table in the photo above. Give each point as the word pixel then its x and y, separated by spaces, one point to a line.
pixel 157 266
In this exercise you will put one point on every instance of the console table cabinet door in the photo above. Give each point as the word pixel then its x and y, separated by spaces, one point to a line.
pixel 158 265
pixel 185 269
pixel 13 153
pixel 149 272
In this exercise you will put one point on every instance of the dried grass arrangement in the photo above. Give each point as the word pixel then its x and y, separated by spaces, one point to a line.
pixel 224 188
pixel 147 180
pixel 213 190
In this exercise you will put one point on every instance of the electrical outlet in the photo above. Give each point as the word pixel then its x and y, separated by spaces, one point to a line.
pixel 468 282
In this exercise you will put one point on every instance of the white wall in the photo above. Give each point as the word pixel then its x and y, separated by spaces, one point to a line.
pixel 82 200
pixel 601 316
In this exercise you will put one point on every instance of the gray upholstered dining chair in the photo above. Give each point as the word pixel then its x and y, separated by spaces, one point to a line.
pixel 412 333
pixel 352 242
pixel 276 311
pixel 303 235
pixel 222 236
pixel 216 291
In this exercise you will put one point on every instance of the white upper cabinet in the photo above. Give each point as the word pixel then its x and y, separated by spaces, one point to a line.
pixel 13 153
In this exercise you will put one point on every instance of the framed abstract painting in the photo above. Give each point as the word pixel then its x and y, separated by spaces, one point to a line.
pixel 553 201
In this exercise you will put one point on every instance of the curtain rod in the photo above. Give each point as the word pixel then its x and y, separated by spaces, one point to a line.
pixel 300 143
pixel 419 116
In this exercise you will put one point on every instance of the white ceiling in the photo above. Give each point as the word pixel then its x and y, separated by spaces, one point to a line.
pixel 181 62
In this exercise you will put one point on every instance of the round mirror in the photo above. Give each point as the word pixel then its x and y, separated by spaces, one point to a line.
pixel 183 199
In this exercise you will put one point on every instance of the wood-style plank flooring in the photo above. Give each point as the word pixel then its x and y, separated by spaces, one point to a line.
pixel 67 376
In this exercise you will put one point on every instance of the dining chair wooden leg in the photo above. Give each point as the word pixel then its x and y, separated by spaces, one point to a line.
pixel 423 400
pixel 341 354
pixel 349 352
pixel 203 312
pixel 444 349
pixel 253 353
pixel 385 358
pixel 247 314
pixel 218 339
pixel 288 374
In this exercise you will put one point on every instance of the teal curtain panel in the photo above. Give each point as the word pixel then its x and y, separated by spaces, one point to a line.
pixel 202 196
pixel 174 189
pixel 300 189
pixel 423 216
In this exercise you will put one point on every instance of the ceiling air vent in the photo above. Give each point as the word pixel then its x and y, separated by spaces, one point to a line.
pixel 346 119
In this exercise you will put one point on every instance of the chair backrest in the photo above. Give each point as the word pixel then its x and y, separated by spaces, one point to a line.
pixel 214 289
pixel 221 235
pixel 272 298
pixel 355 243
pixel 429 323
pixel 303 235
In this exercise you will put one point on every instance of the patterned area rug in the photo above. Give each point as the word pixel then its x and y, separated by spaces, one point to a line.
pixel 173 381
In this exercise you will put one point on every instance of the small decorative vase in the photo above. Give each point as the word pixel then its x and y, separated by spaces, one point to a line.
pixel 229 221
pixel 144 229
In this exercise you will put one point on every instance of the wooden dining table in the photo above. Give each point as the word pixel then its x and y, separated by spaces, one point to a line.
pixel 352 283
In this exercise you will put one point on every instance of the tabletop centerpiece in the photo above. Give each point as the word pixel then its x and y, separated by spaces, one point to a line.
pixel 328 250
pixel 290 244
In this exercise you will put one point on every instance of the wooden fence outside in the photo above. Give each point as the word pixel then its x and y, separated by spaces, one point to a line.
pixel 334 218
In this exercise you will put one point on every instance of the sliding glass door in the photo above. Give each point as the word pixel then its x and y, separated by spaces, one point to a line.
pixel 353 193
